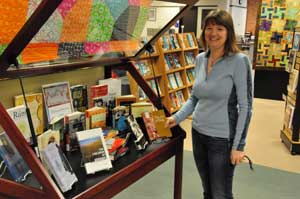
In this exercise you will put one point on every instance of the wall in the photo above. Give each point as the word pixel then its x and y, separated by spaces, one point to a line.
pixel 252 15
pixel 208 4
pixel 165 11
pixel 238 10
pixel 11 88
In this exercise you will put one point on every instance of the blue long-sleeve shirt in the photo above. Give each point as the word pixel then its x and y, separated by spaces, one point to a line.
pixel 221 102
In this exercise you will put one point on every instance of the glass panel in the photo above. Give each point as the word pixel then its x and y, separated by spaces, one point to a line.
pixel 87 28
pixel 12 165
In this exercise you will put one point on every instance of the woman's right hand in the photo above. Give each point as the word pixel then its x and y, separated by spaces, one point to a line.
pixel 171 122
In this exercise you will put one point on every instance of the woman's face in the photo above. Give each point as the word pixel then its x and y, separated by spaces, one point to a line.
pixel 215 36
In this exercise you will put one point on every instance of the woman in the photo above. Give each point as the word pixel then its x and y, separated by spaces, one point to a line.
pixel 221 103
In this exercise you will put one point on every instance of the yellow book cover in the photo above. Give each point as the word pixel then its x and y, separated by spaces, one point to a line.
pixel 95 117
pixel 139 107
pixel 159 119
pixel 35 105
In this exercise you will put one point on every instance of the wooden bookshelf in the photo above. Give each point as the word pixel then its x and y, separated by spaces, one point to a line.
pixel 162 68
pixel 290 133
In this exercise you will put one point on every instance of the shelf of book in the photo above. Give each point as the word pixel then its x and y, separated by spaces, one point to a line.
pixel 173 67
pixel 290 132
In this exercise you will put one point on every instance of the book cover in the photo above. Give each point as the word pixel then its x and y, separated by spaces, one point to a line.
pixel 159 119
pixel 114 88
pixel 120 114
pixel 74 122
pixel 180 38
pixel 19 116
pixel 16 165
pixel 35 104
pixel 79 97
pixel 178 79
pixel 94 151
pixel 139 139
pixel 95 117
pixel 139 107
pixel 59 167
pixel 98 92
pixel 57 124
pixel 150 125
pixel 58 100
pixel 49 136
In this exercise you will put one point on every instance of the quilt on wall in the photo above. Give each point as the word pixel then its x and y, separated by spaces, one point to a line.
pixel 76 28
pixel 277 21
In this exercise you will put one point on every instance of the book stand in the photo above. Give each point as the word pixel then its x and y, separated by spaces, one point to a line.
pixel 126 170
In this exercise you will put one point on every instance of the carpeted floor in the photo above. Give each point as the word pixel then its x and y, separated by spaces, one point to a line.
pixel 263 183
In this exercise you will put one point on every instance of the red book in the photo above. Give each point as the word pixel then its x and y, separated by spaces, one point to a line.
pixel 98 91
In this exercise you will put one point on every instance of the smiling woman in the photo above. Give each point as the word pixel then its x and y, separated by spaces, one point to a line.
pixel 222 83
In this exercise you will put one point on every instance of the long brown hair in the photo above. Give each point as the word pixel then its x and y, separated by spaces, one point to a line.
pixel 221 17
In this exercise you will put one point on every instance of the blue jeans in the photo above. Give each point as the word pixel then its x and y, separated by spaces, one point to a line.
pixel 212 157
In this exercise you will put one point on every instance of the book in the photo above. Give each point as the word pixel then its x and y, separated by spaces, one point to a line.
pixel 57 124
pixel 159 119
pixel 123 100
pixel 74 122
pixel 36 106
pixel 150 125
pixel 114 88
pixel 49 136
pixel 99 95
pixel 139 138
pixel 94 151
pixel 95 117
pixel 58 100
pixel 79 97
pixel 139 107
pixel 19 116
pixel 59 166
pixel 16 165
pixel 178 79
pixel 120 114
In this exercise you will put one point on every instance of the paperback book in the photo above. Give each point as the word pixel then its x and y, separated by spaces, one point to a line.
pixel 58 100
pixel 94 152
pixel 16 165
pixel 35 104
pixel 95 117
pixel 79 97
pixel 139 139
pixel 19 116
pixel 74 122
pixel 59 167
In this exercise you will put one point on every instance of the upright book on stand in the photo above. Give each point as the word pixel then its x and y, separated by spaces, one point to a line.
pixel 17 167
pixel 36 106
pixel 94 152
pixel 19 116
pixel 58 100
pixel 59 166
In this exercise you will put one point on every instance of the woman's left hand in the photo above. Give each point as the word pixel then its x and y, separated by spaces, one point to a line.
pixel 237 157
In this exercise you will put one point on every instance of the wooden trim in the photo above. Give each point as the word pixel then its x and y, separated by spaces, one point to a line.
pixel 29 156
pixel 256 36
pixel 17 190
pixel 61 67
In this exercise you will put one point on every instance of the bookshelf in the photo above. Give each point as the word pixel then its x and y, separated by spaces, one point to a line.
pixel 173 65
pixel 290 131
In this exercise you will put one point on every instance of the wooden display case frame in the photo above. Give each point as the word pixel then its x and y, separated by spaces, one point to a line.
pixel 125 176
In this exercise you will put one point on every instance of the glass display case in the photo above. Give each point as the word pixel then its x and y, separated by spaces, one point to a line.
pixel 40 37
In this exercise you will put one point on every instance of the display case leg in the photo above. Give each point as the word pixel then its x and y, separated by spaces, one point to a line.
pixel 178 171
